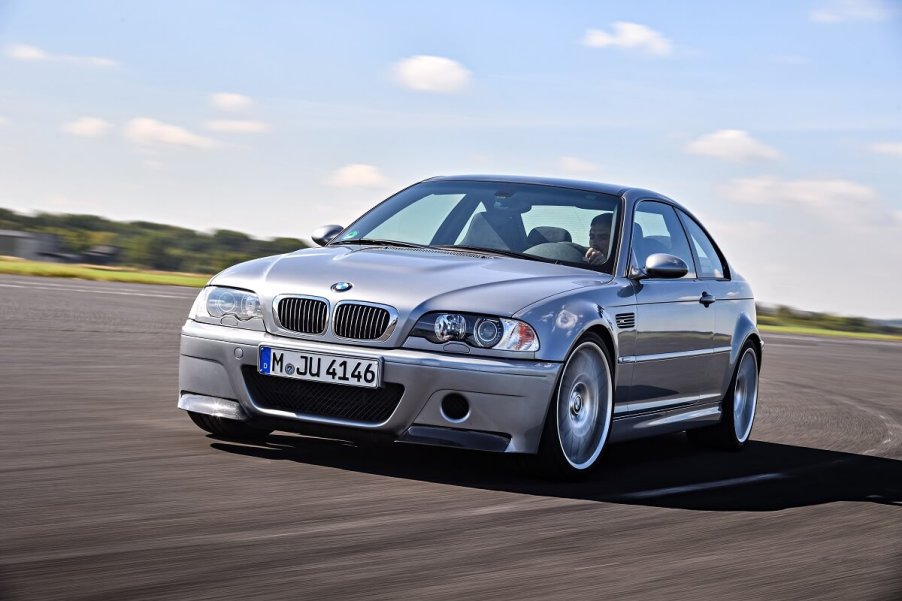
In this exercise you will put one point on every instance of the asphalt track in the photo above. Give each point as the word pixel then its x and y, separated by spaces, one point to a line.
pixel 107 491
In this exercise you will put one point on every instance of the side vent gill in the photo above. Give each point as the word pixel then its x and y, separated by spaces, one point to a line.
pixel 626 321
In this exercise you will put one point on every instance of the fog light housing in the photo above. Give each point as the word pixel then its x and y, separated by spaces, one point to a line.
pixel 455 407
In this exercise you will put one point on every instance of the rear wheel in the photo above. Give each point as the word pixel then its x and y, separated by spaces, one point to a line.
pixel 738 407
pixel 227 428
pixel 580 414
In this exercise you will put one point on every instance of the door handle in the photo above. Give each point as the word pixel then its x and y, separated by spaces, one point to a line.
pixel 707 299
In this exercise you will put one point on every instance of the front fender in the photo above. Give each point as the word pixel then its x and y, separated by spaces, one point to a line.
pixel 560 321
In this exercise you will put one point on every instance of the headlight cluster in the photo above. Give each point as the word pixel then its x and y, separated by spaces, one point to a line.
pixel 230 301
pixel 221 302
pixel 480 331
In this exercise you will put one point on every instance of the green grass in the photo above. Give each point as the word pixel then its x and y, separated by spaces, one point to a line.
pixel 97 273
pixel 809 331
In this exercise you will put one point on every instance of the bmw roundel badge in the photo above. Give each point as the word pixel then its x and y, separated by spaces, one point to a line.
pixel 342 286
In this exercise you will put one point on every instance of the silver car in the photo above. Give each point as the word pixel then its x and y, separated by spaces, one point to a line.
pixel 508 314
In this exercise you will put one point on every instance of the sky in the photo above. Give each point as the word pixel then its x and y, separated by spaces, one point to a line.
pixel 779 124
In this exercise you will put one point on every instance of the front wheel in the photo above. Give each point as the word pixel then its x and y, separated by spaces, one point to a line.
pixel 738 407
pixel 579 418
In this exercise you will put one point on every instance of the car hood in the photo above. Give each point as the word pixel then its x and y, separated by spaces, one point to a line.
pixel 412 281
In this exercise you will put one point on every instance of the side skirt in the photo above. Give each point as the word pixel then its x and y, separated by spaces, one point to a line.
pixel 645 425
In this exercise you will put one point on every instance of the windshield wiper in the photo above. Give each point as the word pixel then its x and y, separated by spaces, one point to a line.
pixel 496 251
pixel 451 247
pixel 380 242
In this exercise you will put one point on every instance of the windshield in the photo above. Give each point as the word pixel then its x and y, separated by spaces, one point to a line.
pixel 544 223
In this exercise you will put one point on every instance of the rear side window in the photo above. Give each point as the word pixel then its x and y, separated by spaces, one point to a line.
pixel 710 264
pixel 657 229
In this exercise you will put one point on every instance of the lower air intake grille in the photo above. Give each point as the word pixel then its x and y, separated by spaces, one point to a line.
pixel 365 405
pixel 361 322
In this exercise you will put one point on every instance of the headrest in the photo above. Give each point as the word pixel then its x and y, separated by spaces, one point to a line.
pixel 482 233
pixel 638 234
pixel 547 233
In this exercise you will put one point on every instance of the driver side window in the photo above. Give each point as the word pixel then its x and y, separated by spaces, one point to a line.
pixel 657 229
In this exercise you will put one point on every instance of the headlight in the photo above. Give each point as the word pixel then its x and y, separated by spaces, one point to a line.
pixel 231 301
pixel 480 331
pixel 217 302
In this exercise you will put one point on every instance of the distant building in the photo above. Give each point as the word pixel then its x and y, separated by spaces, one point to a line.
pixel 103 254
pixel 34 247
pixel 14 244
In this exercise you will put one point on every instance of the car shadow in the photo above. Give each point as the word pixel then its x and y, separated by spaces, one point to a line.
pixel 663 472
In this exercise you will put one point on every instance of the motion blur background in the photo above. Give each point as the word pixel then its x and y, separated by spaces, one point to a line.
pixel 778 123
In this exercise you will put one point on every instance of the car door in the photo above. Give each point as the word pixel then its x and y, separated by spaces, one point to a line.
pixel 712 269
pixel 674 329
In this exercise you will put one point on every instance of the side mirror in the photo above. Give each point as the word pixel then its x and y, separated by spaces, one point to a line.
pixel 324 234
pixel 662 265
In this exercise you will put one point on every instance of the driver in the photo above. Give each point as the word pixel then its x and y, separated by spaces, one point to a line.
pixel 599 239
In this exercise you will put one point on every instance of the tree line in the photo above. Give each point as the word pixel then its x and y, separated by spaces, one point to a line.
pixel 169 248
pixel 788 316
pixel 149 245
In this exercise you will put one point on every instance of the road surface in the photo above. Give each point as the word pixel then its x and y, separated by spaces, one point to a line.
pixel 108 491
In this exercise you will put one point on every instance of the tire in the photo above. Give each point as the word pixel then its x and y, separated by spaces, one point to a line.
pixel 737 407
pixel 227 428
pixel 580 413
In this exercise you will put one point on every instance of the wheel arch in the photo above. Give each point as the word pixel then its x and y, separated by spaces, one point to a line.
pixel 757 344
pixel 745 332
pixel 603 331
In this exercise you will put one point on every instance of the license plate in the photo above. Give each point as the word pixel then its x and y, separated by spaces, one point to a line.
pixel 320 367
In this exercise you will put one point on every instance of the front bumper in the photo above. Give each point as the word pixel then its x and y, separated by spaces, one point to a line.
pixel 508 399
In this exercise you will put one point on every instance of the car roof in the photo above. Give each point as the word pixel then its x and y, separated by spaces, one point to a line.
pixel 544 181
pixel 629 193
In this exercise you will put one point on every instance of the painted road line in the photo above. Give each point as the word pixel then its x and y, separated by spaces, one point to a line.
pixel 688 488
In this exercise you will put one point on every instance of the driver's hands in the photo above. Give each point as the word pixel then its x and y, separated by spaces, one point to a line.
pixel 595 257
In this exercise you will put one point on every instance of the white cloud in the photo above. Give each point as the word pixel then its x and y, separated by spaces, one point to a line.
pixel 24 52
pixel 432 74
pixel 890 148
pixel 244 126
pixel 630 36
pixel 146 131
pixel 815 193
pixel 228 101
pixel 732 145
pixel 3 121
pixel 87 127
pixel 358 176
pixel 839 200
pixel 839 11
pixel 576 165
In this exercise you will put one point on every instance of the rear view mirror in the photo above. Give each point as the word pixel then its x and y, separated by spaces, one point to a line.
pixel 324 234
pixel 662 265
